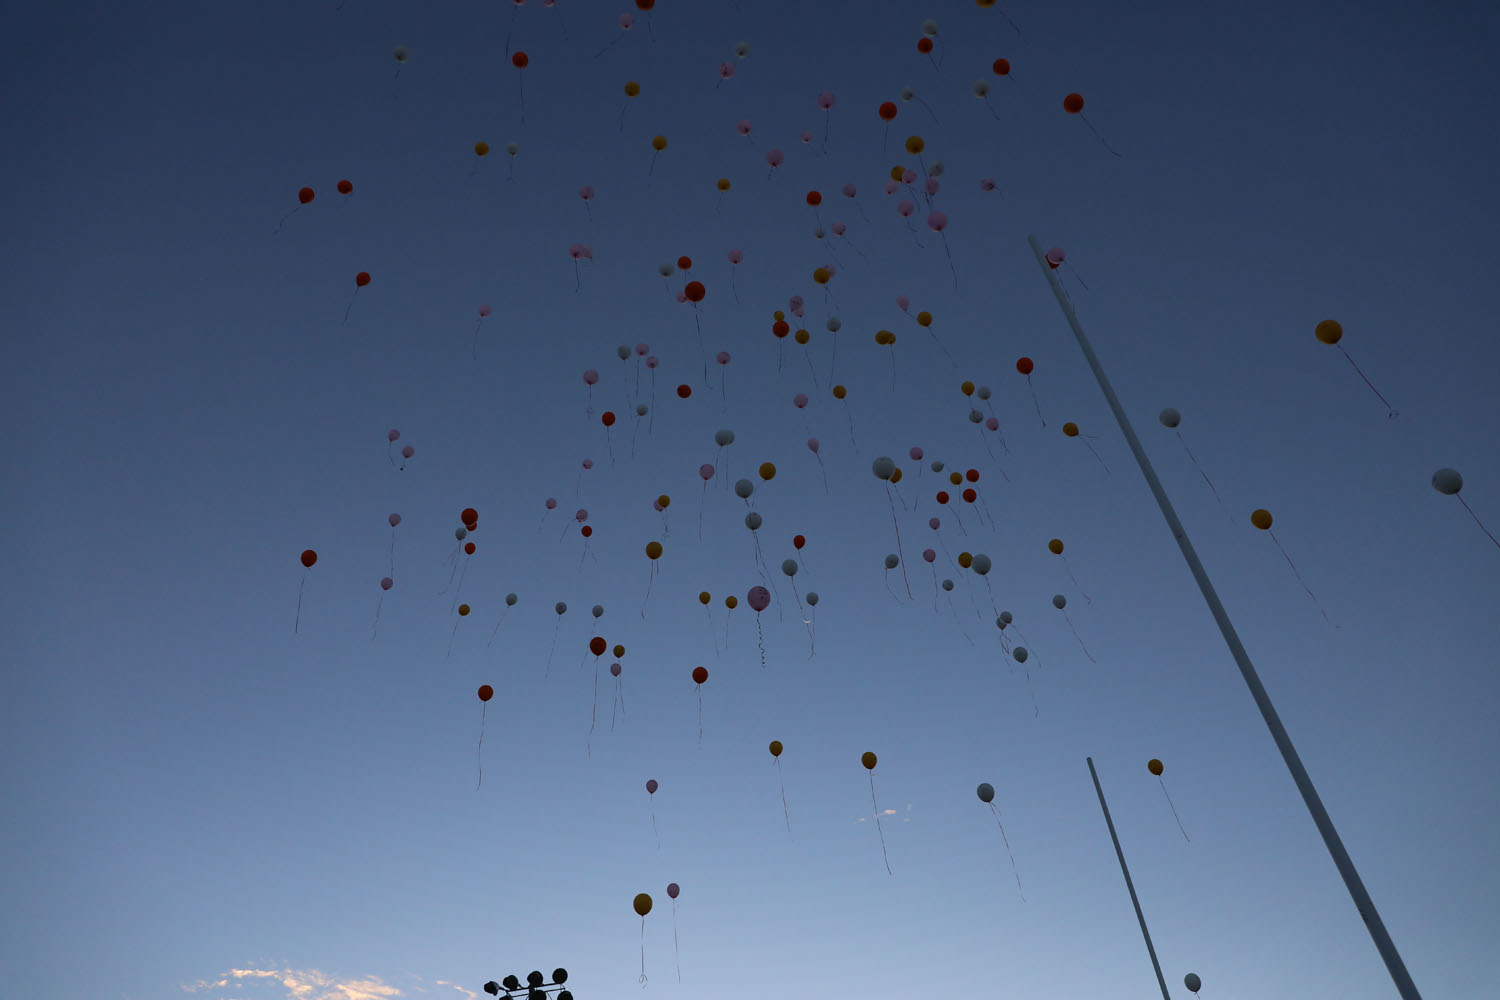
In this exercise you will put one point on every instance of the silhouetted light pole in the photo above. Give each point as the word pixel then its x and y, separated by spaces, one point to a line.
pixel 536 987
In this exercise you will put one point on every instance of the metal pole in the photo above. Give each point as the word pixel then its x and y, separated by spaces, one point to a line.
pixel 1128 884
pixel 1341 860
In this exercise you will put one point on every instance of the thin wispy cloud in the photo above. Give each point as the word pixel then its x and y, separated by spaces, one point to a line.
pixel 293 984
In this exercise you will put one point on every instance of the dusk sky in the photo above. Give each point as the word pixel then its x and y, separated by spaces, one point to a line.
pixel 230 777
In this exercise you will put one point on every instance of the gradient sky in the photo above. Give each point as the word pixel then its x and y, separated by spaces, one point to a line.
pixel 201 802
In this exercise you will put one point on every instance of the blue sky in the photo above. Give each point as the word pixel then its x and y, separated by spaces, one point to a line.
pixel 202 802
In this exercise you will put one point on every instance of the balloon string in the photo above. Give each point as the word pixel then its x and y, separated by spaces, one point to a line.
pixel 1036 400
pixel 618 703
pixel 781 780
pixel 555 629
pixel 376 629
pixel 479 752
pixel 1391 410
pixel 1173 808
pixel 1299 577
pixel 760 638
pixel 588 746
pixel 1096 135
pixel 1204 475
pixel 1003 837
pixel 878 827
pixel 897 526
pixel 677 955
pixel 1478 521
pixel 643 953
pixel 653 827
pixel 1101 460
pixel 497 629
pixel 700 717
pixel 1069 568
pixel 451 637
pixel 297 625
pixel 1079 638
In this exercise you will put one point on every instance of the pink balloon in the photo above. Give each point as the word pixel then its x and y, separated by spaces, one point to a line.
pixel 722 357
pixel 937 221
pixel 551 503
pixel 586 192
pixel 799 400
pixel 930 186
pixel 775 158
pixel 906 207
pixel 581 514
pixel 726 70
pixel 1055 256
pixel 386 583
pixel 903 303
pixel 394 519
pixel 849 190
pixel 408 451
pixel 590 377
pixel 484 311
pixel 735 256
pixel 934 523
pixel 806 135
pixel 651 786
pixel 839 229
pixel 705 472
pixel 743 126
pixel 929 555
pixel 614 669
pixel 915 453
pixel 891 187
pixel 987 184
pixel 652 362
pixel 812 445
pixel 642 350
pixel 825 100
pixel 992 423
pixel 392 435
pixel 673 889
pixel 626 21
pixel 656 505
pixel 759 598
pixel 908 176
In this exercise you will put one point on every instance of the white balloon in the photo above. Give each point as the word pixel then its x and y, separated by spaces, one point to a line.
pixel 883 467
pixel 1192 982
pixel 1447 482
pixel 1170 417
pixel 986 792
pixel 1059 601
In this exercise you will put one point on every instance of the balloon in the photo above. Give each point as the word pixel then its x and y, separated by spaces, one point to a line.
pixel 1073 103
pixel 695 291
pixel 401 53
pixel 486 692
pixel 386 583
pixel 614 669
pixel 1025 366
pixel 812 445
pixel 868 760
pixel 1447 482
pixel 481 148
pixel 724 438
pixel 1059 601
pixel 463 610
pixel 705 472
pixel 469 548
pixel 759 598
pixel 597 645
pixel 309 557
pixel 798 541
pixel 982 564
pixel 1070 429
pixel 1192 982
pixel 776 748
pixel 1261 518
pixel 642 903
pixel 362 279
pixel 767 471
pixel 673 890
pixel 653 550
pixel 1154 766
pixel 1001 67
pixel 305 195
pixel 561 607
pixel 883 467
pixel 651 786
pixel 892 561
pixel 632 89
pixel 1329 331
pixel 887 111
pixel 811 598
pixel 1055 546
pixel 510 600
pixel 659 143
pixel 789 567
pixel 986 792
pixel 700 674
pixel 929 555
pixel 753 521
pixel 1020 654
pixel 1170 417
pixel 743 488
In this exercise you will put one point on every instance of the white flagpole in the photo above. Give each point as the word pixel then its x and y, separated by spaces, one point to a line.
pixel 1128 884
pixel 1341 860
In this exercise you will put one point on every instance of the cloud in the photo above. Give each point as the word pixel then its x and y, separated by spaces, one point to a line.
pixel 294 984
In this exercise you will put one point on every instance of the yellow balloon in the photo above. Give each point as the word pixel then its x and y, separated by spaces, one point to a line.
pixel 1154 766
pixel 704 597
pixel 731 602
pixel 822 275
pixel 924 319
pixel 956 478
pixel 802 336
pixel 775 748
pixel 481 149
pixel 965 559
pixel 897 172
pixel 1070 429
pixel 767 471
pixel 884 337
pixel 664 500
pixel 619 651
pixel 915 145
pixel 659 143
pixel 868 760
pixel 1261 518
pixel 896 474
pixel 463 609
pixel 723 183
pixel 642 903
pixel 839 392
pixel 632 89
pixel 778 315
pixel 1329 331
pixel 967 388
pixel 653 550
pixel 1055 546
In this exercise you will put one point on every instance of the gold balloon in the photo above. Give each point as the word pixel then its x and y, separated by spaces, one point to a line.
pixel 868 760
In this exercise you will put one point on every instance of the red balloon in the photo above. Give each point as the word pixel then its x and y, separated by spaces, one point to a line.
pixel 309 557
pixel 814 198
pixel 468 515
pixel 798 541
pixel 1001 67
pixel 305 195
pixel 972 475
pixel 346 187
pixel 942 496
pixel 684 263
pixel 362 279
pixel 970 496
pixel 468 548
pixel 1073 103
pixel 520 60
pixel 597 645
pixel 695 291
pixel 1024 366
pixel 586 531
pixel 700 674
pixel 924 45
pixel 608 418
pixel 684 391
pixel 645 4
pixel 486 692
pixel 780 328
pixel 888 111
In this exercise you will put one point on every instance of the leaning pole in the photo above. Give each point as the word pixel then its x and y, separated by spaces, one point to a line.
pixel 1341 860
